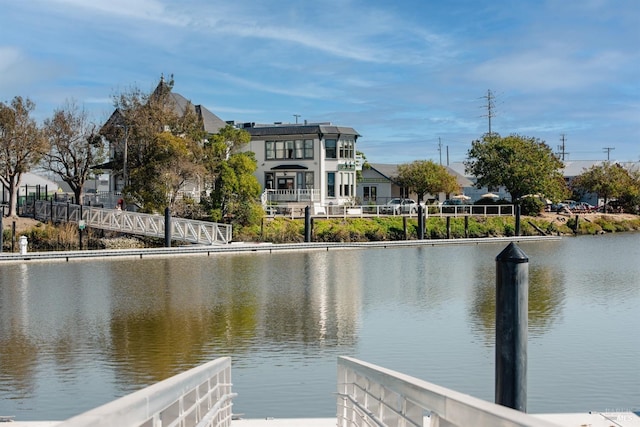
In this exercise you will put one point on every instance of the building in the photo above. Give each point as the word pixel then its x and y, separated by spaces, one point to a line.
pixel 118 149
pixel 304 164
pixel 379 184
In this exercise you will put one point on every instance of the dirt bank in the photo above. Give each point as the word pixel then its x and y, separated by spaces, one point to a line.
pixel 22 224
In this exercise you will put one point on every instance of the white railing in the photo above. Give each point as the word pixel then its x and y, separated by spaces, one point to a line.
pixel 198 397
pixel 293 196
pixel 380 210
pixel 369 395
pixel 201 232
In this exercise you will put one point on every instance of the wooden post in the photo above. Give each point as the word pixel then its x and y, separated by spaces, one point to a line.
pixel 448 227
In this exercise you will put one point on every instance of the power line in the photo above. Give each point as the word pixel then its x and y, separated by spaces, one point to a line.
pixel 561 148
pixel 490 97
pixel 608 151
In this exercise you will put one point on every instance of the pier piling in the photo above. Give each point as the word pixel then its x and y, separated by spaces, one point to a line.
pixel 512 300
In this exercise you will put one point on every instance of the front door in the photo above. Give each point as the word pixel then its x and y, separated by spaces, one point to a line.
pixel 285 183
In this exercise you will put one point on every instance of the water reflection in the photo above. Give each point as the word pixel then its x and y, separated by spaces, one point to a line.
pixel 546 299
pixel 75 335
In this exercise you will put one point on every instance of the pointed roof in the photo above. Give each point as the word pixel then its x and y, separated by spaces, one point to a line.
pixel 390 171
pixel 211 122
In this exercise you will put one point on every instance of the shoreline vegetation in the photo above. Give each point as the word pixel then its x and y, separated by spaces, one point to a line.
pixel 60 237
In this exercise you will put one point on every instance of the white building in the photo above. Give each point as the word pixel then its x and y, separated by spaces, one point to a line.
pixel 304 164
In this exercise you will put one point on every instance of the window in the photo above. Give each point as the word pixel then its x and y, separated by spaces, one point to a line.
pixel 330 148
pixel 331 184
pixel 268 181
pixel 304 180
pixel 280 150
pixel 299 149
pixel 308 148
pixel 370 194
pixel 347 149
pixel 270 150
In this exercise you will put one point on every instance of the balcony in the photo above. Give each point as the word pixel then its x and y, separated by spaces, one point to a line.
pixel 292 196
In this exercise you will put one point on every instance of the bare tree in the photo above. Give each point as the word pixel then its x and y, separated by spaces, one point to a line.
pixel 75 147
pixel 22 145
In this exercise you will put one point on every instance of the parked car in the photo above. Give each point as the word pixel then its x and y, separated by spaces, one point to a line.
pixel 400 206
pixel 458 206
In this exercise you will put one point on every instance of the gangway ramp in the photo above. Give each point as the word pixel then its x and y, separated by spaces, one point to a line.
pixel 188 230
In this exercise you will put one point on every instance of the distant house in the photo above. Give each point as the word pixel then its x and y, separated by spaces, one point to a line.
pixel 379 184
pixel 304 164
pixel 210 122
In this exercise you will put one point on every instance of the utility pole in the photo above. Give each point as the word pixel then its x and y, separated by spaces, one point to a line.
pixel 608 151
pixel 296 116
pixel 440 150
pixel 561 151
pixel 490 107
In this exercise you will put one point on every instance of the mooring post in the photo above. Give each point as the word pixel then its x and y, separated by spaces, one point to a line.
pixel 512 300
pixel 80 228
pixel 517 220
pixel 420 222
pixel 167 227
pixel 404 227
pixel 307 224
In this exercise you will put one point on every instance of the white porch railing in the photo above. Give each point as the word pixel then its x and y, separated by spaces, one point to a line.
pixel 201 232
pixel 198 397
pixel 369 395
pixel 293 196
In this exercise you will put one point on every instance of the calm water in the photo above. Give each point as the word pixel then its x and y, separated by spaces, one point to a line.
pixel 76 335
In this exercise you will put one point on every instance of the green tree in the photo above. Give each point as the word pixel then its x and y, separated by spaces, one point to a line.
pixel 426 177
pixel 609 181
pixel 157 145
pixel 523 165
pixel 236 190
pixel 75 147
pixel 22 145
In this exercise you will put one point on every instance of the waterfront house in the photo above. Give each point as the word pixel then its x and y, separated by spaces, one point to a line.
pixel 211 124
pixel 309 164
pixel 379 184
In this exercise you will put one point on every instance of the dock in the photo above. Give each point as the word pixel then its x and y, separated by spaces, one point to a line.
pixel 367 395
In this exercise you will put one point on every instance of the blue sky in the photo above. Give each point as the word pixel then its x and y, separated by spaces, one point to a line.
pixel 407 75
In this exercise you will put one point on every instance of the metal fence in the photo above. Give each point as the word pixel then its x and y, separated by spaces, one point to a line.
pixel 369 395
pixel 329 211
pixel 198 397
pixel 201 232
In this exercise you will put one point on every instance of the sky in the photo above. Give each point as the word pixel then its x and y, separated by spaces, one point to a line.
pixel 413 77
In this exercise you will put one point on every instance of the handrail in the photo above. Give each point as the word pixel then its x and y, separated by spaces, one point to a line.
pixel 201 232
pixel 198 397
pixel 370 395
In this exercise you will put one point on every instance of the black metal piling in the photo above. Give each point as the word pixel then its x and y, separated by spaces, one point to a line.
pixel 512 300
pixel 307 224
pixel 167 227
